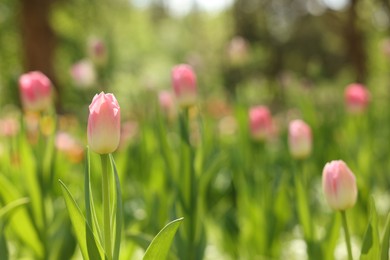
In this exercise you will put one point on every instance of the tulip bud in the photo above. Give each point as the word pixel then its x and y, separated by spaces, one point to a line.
pixel 167 103
pixel 339 185
pixel 356 97
pixel 104 124
pixel 184 85
pixel 35 91
pixel 97 51
pixel 299 139
pixel 83 73
pixel 260 122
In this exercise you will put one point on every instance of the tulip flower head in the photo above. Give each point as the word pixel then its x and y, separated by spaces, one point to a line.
pixel 83 73
pixel 299 139
pixel 339 185
pixel 184 85
pixel 35 91
pixel 167 103
pixel 357 98
pixel 260 122
pixel 104 124
pixel 97 51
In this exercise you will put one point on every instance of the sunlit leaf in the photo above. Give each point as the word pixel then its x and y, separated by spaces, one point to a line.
pixel 159 247
pixel 10 207
pixel 385 240
pixel 21 222
pixel 119 211
pixel 83 232
pixel 371 244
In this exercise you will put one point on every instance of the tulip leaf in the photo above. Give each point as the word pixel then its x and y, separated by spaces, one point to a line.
pixel 385 240
pixel 21 222
pixel 3 244
pixel 303 207
pixel 29 167
pixel 330 240
pixel 159 247
pixel 10 207
pixel 118 212
pixel 89 247
pixel 371 245
pixel 91 217
pixel 4 213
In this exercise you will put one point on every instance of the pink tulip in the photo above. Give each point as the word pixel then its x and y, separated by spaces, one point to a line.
pixel 68 145
pixel 299 139
pixel 184 85
pixel 104 124
pixel 167 103
pixel 339 185
pixel 97 51
pixel 35 91
pixel 260 122
pixel 357 98
pixel 83 73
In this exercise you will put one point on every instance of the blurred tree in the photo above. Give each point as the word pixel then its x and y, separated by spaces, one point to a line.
pixel 297 37
pixel 38 38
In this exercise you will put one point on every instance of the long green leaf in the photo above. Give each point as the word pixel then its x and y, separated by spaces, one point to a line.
pixel 119 211
pixel 371 244
pixel 12 206
pixel 90 212
pixel 385 240
pixel 3 244
pixel 82 229
pixel 20 222
pixel 303 209
pixel 160 245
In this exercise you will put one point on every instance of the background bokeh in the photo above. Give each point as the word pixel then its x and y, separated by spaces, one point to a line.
pixel 294 56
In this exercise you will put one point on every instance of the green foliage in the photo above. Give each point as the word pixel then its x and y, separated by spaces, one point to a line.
pixel 159 247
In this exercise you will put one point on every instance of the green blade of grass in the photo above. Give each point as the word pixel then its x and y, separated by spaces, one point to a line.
pixel 371 244
pixel 119 211
pixel 159 247
pixel 385 240
pixel 89 246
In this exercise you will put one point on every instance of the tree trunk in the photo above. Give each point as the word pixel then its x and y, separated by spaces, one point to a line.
pixel 354 38
pixel 38 38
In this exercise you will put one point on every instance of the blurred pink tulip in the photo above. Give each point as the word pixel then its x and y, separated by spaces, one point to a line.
pixel 97 51
pixel 299 139
pixel 184 85
pixel 83 73
pixel 35 91
pixel 339 185
pixel 260 122
pixel 167 103
pixel 104 124
pixel 357 98
pixel 9 126
pixel 68 145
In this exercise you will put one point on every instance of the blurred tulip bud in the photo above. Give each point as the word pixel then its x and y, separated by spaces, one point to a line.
pixel 184 85
pixel 357 98
pixel 339 185
pixel 83 73
pixel 238 50
pixel 104 124
pixel 97 51
pixel 9 126
pixel 299 139
pixel 35 91
pixel 68 145
pixel 260 122
pixel 167 103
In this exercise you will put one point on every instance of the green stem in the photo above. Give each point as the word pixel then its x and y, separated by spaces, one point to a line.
pixel 106 206
pixel 347 237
